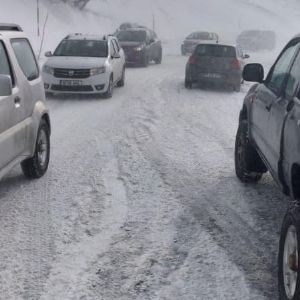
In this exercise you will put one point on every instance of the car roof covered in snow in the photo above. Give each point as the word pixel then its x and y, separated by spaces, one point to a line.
pixel 95 37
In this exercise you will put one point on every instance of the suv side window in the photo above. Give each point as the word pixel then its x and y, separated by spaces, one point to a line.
pixel 294 78
pixel 279 72
pixel 26 58
pixel 5 66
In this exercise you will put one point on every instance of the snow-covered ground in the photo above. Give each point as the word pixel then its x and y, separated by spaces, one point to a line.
pixel 141 200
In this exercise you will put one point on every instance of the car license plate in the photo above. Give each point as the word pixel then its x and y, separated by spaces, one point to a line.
pixel 211 75
pixel 71 82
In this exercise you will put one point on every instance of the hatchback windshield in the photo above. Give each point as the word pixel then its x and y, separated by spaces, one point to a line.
pixel 215 51
pixel 82 48
pixel 132 36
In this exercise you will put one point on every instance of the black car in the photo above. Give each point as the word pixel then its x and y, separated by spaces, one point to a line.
pixel 268 139
pixel 191 41
pixel 215 63
pixel 257 40
pixel 141 46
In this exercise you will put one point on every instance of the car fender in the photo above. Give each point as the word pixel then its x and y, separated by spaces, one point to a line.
pixel 40 111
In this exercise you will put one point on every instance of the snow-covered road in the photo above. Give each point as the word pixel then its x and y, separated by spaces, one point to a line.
pixel 141 201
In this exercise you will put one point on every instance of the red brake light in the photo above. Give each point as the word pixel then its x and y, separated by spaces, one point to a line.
pixel 193 60
pixel 235 64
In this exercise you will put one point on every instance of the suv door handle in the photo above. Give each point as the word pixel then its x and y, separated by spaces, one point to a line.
pixel 17 101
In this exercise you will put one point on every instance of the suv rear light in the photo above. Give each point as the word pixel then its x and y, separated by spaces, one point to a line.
pixel 235 64
pixel 193 60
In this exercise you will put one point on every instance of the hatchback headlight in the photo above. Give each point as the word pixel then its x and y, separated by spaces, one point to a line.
pixel 138 49
pixel 47 69
pixel 97 71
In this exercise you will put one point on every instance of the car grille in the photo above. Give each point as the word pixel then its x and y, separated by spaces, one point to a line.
pixel 77 88
pixel 72 73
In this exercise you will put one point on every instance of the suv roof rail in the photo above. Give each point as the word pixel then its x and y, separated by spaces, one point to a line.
pixel 10 27
pixel 72 34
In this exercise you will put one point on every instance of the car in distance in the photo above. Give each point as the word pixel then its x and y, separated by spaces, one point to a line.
pixel 189 44
pixel 257 40
pixel 268 140
pixel 219 64
pixel 141 46
pixel 24 116
pixel 85 64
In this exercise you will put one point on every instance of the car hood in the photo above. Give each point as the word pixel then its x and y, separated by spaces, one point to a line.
pixel 68 62
pixel 131 44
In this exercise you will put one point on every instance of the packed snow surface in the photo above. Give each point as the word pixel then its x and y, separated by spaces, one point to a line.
pixel 141 200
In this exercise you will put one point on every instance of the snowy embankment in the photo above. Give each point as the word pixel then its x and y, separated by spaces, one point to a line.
pixel 173 19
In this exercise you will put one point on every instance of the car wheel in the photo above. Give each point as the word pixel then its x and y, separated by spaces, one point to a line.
pixel 188 84
pixel 121 83
pixel 145 61
pixel 288 257
pixel 237 87
pixel 36 166
pixel 248 164
pixel 159 59
pixel 110 89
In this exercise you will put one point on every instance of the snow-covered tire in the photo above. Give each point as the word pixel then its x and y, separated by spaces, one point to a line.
pixel 288 257
pixel 237 87
pixel 37 166
pixel 158 60
pixel 188 84
pixel 248 164
pixel 110 89
pixel 121 82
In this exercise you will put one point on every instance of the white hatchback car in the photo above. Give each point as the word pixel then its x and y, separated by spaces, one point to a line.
pixel 87 64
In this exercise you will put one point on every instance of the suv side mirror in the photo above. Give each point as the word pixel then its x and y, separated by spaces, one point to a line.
pixel 48 54
pixel 5 85
pixel 116 56
pixel 254 73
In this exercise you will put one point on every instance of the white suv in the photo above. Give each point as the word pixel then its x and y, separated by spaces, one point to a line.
pixel 24 116
pixel 88 64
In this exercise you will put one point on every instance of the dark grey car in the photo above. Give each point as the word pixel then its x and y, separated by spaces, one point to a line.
pixel 215 63
pixel 141 46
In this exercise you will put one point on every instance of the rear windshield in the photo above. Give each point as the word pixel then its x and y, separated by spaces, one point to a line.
pixel 82 48
pixel 200 36
pixel 132 36
pixel 215 51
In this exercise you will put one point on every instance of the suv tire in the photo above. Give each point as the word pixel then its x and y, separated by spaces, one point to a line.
pixel 145 61
pixel 36 166
pixel 121 82
pixel 159 59
pixel 188 84
pixel 248 164
pixel 288 257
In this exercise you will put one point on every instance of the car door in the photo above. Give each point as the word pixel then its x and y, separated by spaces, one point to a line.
pixel 118 61
pixel 12 137
pixel 113 61
pixel 268 94
pixel 29 83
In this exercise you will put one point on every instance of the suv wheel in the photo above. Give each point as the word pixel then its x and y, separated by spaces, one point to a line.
pixel 288 257
pixel 121 83
pixel 37 166
pixel 248 164
pixel 110 89
pixel 145 61
pixel 237 87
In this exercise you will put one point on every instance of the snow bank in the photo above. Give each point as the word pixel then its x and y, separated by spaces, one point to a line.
pixel 174 19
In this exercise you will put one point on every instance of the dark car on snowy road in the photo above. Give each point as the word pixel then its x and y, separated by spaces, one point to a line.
pixel 195 38
pixel 268 139
pixel 219 64
pixel 141 46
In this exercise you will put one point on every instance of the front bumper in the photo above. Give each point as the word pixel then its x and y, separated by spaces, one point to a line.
pixel 134 57
pixel 92 85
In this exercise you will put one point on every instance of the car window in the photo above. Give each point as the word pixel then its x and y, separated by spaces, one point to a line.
pixel 26 58
pixel 294 78
pixel 215 51
pixel 82 48
pixel 115 44
pixel 5 67
pixel 132 36
pixel 279 72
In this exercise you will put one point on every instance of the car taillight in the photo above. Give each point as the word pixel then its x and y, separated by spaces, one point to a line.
pixel 235 64
pixel 193 60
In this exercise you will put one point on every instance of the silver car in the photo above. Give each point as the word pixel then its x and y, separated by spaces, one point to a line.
pixel 24 116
